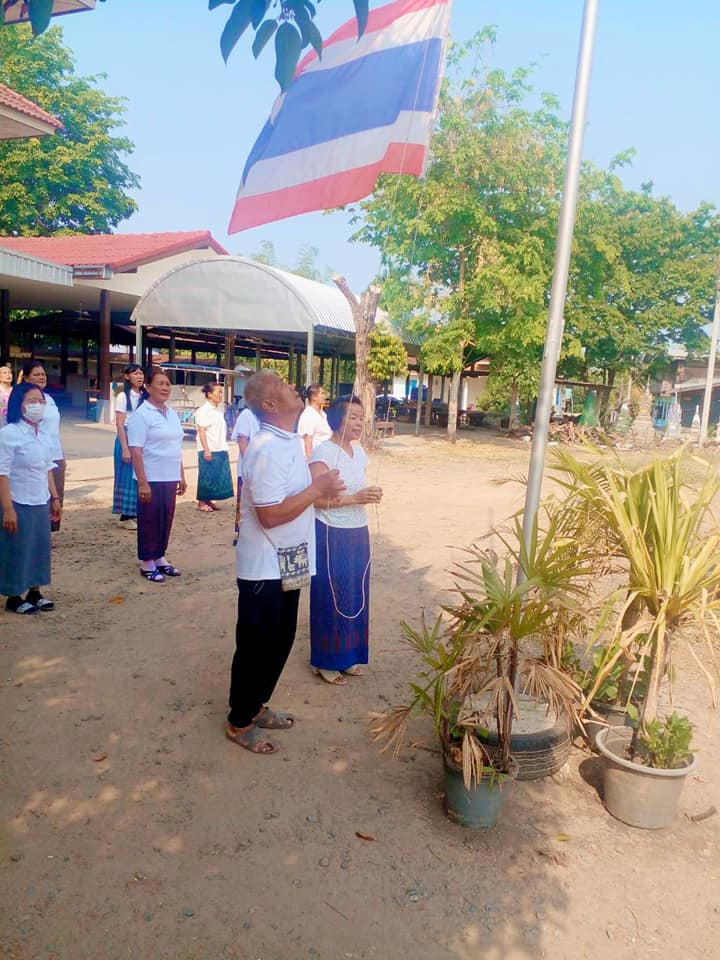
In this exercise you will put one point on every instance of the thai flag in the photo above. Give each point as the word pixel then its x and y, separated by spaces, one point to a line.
pixel 366 108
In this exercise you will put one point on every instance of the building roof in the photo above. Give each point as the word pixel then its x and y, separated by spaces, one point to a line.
pixel 236 293
pixel 118 251
pixel 20 117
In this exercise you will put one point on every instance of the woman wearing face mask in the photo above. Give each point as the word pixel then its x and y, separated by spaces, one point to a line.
pixel 6 379
pixel 214 477
pixel 28 502
pixel 34 372
pixel 125 489
pixel 155 438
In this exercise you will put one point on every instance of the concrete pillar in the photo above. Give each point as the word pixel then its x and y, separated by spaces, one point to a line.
pixel 171 348
pixel 258 359
pixel 85 358
pixel 63 359
pixel 104 352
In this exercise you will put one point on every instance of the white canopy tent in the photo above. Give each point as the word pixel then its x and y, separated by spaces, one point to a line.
pixel 235 293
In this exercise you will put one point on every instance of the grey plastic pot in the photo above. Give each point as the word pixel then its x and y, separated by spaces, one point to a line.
pixel 639 796
pixel 611 715
pixel 478 807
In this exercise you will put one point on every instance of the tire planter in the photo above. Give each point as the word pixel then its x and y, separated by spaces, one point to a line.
pixel 611 716
pixel 541 743
pixel 640 796
pixel 476 808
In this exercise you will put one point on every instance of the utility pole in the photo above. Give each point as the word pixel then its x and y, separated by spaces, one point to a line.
pixel 707 401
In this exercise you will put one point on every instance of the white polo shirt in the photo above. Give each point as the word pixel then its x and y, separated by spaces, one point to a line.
pixel 314 423
pixel 25 457
pixel 160 434
pixel 274 468
pixel 211 418
pixel 50 428
pixel 246 425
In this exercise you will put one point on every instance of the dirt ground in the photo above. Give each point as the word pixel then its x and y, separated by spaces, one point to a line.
pixel 132 828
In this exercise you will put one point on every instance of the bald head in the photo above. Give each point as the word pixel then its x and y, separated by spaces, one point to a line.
pixel 272 400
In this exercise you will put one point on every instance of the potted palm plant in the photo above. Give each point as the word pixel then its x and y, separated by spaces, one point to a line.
pixel 659 529
pixel 498 639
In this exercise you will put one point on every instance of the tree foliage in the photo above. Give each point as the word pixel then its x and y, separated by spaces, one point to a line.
pixel 469 250
pixel 292 28
pixel 75 181
pixel 387 357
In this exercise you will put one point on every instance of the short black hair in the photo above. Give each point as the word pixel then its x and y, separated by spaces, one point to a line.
pixel 30 365
pixel 337 411
pixel 15 400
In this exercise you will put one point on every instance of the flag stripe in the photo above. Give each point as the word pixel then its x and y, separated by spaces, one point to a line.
pixel 357 150
pixel 375 87
pixel 326 192
pixel 409 28
pixel 382 18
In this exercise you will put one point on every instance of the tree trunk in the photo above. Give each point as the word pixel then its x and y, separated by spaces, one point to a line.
pixel 421 377
pixel 363 311
pixel 514 412
pixel 428 401
pixel 453 406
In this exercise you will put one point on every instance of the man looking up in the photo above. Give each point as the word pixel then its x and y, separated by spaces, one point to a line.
pixel 275 555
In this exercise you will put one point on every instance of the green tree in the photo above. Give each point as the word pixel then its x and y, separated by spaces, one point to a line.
pixel 387 356
pixel 75 181
pixel 476 237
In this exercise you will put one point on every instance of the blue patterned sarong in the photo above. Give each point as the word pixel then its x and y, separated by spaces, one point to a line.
pixel 125 490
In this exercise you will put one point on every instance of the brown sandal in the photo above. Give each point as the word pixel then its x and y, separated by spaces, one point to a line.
pixel 330 676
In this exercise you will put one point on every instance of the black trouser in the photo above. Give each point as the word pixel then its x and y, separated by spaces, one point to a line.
pixel 264 635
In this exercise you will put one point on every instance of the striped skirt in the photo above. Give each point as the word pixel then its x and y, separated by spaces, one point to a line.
pixel 340 598
pixel 125 489
pixel 25 556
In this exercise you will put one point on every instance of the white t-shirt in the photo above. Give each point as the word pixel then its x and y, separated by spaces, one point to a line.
pixel 50 428
pixel 274 468
pixel 25 459
pixel 211 417
pixel 246 425
pixel 121 401
pixel 160 434
pixel 314 423
pixel 352 472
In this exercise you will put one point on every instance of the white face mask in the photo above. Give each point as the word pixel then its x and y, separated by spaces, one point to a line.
pixel 34 412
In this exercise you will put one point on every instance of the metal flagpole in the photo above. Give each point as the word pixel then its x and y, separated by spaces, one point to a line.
pixel 707 400
pixel 556 318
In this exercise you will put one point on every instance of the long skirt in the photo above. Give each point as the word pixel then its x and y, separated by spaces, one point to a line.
pixel 214 477
pixel 155 520
pixel 340 598
pixel 125 489
pixel 59 474
pixel 25 556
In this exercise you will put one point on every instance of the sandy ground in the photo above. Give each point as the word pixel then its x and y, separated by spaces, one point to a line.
pixel 132 828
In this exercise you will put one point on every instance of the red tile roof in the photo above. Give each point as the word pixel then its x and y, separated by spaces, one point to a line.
pixel 10 98
pixel 119 251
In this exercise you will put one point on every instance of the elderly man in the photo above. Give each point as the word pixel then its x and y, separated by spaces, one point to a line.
pixel 275 555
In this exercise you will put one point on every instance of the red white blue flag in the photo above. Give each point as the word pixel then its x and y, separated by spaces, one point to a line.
pixel 365 108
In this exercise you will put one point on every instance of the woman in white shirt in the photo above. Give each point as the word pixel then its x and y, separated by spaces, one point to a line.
pixel 214 476
pixel 28 502
pixel 340 591
pixel 34 372
pixel 155 438
pixel 313 425
pixel 125 488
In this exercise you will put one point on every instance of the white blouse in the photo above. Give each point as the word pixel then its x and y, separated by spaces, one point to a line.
pixel 211 418
pixel 160 434
pixel 313 423
pixel 25 459
pixel 50 428
pixel 352 473
pixel 121 401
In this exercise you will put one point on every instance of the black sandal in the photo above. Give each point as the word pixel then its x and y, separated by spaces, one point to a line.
pixel 154 576
pixel 168 570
